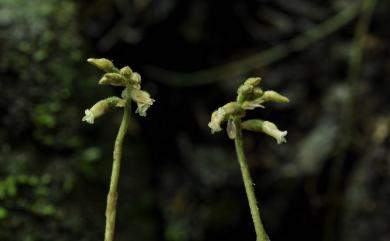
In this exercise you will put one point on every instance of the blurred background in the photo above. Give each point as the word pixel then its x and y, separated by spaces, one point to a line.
pixel 330 181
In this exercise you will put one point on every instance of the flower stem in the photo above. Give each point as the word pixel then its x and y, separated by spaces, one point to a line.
pixel 246 177
pixel 113 194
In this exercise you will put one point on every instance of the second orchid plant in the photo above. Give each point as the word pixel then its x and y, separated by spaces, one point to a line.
pixel 249 96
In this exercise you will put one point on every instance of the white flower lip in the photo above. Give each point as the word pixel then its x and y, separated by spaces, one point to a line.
pixel 143 100
pixel 89 117
pixel 251 105
pixel 272 130
pixel 217 118
pixel 143 107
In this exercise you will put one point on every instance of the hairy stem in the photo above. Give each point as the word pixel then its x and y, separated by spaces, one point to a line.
pixel 261 235
pixel 116 165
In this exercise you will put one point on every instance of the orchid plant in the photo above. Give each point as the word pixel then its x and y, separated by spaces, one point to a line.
pixel 131 82
pixel 249 97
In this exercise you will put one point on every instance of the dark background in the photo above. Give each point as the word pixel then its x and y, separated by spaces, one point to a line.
pixel 179 182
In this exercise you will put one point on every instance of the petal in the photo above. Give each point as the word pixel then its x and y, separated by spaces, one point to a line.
pixel 88 117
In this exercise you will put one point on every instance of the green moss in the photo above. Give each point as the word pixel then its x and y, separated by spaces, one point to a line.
pixel 3 213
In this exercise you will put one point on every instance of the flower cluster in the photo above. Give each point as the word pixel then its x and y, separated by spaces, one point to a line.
pixel 249 97
pixel 123 77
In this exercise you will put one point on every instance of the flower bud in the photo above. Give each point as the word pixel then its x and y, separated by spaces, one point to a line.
pixel 233 109
pixel 231 129
pixel 272 130
pixel 126 71
pixel 103 64
pixel 249 90
pixel 257 92
pixel 223 113
pixel 245 90
pixel 114 79
pixel 100 108
pixel 274 96
pixel 136 78
pixel 143 100
pixel 266 127
pixel 217 118
pixel 253 81
pixel 96 111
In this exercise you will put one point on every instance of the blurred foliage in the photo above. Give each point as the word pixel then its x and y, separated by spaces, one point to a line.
pixel 40 49
pixel 179 182
pixel 24 195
